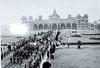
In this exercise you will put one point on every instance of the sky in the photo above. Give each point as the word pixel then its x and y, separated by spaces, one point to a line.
pixel 12 10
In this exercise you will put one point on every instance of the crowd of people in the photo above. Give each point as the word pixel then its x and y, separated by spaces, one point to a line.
pixel 32 49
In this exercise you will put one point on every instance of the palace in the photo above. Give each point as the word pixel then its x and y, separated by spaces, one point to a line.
pixel 78 24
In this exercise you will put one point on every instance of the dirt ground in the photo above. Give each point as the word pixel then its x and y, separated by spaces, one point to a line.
pixel 86 57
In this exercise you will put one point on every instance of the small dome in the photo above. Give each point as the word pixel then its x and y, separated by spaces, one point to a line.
pixel 30 18
pixel 85 15
pixel 24 18
pixel 69 16
pixel 78 16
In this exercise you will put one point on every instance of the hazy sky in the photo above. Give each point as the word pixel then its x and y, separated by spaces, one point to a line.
pixel 13 10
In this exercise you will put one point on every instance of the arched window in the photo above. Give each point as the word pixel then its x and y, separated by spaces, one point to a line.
pixel 68 26
pixel 46 26
pixel 40 26
pixel 82 24
pixel 54 26
pixel 35 27
pixel 62 26
pixel 74 26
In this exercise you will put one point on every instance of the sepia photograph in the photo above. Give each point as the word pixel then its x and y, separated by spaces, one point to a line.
pixel 50 33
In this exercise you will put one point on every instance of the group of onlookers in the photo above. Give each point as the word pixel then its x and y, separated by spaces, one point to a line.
pixel 32 49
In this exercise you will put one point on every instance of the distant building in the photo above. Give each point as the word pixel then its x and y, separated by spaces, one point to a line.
pixel 78 24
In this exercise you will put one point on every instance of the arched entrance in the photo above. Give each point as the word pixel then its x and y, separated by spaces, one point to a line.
pixel 62 26
pixel 54 26
pixel 68 26
pixel 46 26
pixel 35 27
pixel 40 26
pixel 74 26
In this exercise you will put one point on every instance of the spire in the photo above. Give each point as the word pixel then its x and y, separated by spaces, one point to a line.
pixel 54 15
pixel 54 12
pixel 40 17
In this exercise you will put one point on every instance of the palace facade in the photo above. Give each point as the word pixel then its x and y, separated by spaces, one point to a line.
pixel 78 24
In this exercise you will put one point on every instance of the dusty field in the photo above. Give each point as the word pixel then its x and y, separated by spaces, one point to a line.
pixel 87 57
